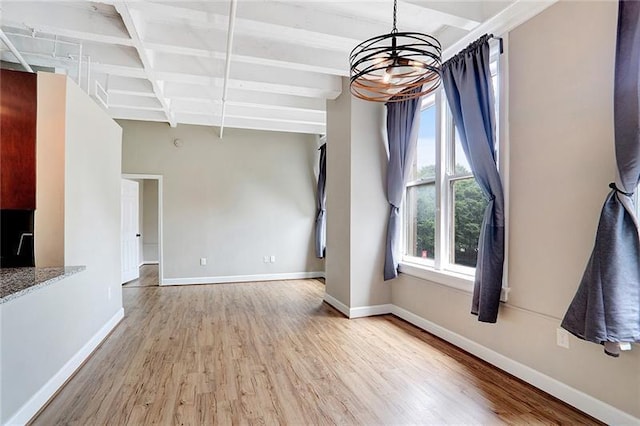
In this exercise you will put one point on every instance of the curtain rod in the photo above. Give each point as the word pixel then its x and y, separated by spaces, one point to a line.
pixel 499 41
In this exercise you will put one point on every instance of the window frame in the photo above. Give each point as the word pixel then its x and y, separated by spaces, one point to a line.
pixel 427 102
pixel 441 268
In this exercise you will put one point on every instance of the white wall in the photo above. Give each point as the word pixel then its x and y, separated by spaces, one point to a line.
pixel 44 330
pixel 561 161
pixel 357 208
pixel 232 201
pixel 150 221
pixel 93 188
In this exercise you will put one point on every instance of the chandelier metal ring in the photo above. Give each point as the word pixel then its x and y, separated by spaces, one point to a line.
pixel 389 67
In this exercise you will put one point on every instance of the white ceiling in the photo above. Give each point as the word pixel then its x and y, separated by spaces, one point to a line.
pixel 165 60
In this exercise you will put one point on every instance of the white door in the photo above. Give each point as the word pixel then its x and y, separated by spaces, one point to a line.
pixel 130 236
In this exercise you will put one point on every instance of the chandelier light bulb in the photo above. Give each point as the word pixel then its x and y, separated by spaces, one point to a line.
pixel 386 77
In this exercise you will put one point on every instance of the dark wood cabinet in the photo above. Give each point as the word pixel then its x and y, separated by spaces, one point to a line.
pixel 18 114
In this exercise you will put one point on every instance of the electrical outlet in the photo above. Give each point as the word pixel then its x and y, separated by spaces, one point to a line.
pixel 109 293
pixel 203 261
pixel 273 259
pixel 265 259
pixel 562 338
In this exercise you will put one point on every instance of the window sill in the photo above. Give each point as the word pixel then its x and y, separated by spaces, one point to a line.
pixel 451 279
pixel 448 278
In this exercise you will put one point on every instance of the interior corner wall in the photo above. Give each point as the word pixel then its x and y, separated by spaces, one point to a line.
pixel 150 221
pixel 50 135
pixel 338 189
pixel 561 65
pixel 233 200
pixel 369 205
pixel 357 209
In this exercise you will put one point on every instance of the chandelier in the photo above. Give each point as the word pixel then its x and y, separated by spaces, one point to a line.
pixel 395 67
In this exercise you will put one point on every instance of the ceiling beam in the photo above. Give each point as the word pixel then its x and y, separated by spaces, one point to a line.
pixel 66 21
pixel 213 120
pixel 264 112
pixel 71 65
pixel 140 114
pixel 283 28
pixel 411 17
pixel 61 66
pixel 209 71
pixel 47 44
pixel 133 25
pixel 117 70
pixel 119 100
pixel 277 87
pixel 253 124
pixel 182 91
pixel 130 86
pixel 209 42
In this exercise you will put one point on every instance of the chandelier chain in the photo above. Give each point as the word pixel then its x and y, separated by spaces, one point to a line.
pixel 395 11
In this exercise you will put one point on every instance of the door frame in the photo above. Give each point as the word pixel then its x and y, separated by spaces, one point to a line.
pixel 160 218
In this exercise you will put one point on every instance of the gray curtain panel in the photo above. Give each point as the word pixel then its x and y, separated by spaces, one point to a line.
pixel 467 83
pixel 606 307
pixel 321 205
pixel 403 124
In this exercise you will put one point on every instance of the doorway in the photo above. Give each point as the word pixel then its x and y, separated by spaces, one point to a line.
pixel 149 223
pixel 129 230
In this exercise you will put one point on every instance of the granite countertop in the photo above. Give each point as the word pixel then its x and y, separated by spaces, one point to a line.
pixel 16 282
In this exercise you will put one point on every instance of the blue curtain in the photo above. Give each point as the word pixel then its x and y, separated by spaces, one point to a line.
pixel 403 124
pixel 467 83
pixel 606 307
pixel 321 205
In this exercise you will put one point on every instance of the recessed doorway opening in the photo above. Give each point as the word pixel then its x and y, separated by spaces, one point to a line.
pixel 142 251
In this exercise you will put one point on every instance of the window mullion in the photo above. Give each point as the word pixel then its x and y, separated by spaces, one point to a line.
pixel 447 199
pixel 420 182
pixel 441 170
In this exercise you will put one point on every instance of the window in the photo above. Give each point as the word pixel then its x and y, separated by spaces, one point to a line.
pixel 444 206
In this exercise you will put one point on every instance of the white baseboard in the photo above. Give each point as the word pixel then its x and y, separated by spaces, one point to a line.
pixel 360 312
pixel 37 401
pixel 369 311
pixel 344 309
pixel 242 278
pixel 566 393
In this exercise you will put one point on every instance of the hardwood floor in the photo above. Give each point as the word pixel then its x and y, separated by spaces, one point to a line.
pixel 148 277
pixel 274 353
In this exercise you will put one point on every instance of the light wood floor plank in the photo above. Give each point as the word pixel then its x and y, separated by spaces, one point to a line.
pixel 274 353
